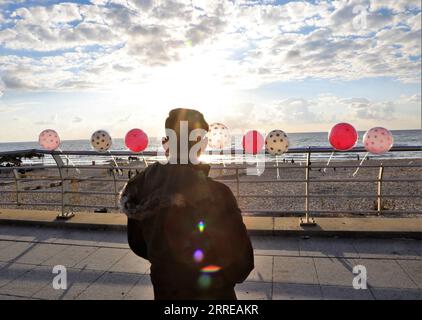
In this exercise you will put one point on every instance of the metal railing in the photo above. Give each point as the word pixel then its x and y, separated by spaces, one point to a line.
pixel 67 182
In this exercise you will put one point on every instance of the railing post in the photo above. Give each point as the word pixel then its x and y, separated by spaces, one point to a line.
pixel 379 194
pixel 116 196
pixel 60 164
pixel 308 221
pixel 16 175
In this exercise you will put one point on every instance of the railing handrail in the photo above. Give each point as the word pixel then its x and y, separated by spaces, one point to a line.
pixel 312 149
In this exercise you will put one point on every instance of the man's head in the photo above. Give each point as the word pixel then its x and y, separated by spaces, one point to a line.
pixel 188 125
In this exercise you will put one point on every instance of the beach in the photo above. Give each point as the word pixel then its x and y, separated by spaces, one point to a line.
pixel 267 184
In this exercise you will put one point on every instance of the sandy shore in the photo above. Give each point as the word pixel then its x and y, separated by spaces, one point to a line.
pixel 288 205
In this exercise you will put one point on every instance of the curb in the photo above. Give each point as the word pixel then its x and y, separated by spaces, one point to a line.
pixel 306 232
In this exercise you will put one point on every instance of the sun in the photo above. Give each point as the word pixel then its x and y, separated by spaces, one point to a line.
pixel 189 84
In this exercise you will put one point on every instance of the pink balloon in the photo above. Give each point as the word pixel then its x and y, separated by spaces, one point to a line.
pixel 378 140
pixel 343 136
pixel 253 142
pixel 136 140
pixel 49 140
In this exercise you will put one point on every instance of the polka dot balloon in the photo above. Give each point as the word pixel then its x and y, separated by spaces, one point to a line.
pixel 218 136
pixel 49 140
pixel 277 142
pixel 101 141
pixel 378 140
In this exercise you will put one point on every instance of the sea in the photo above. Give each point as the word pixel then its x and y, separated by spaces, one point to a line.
pixel 297 140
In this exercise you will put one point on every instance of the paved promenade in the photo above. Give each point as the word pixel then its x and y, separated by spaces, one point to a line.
pixel 101 266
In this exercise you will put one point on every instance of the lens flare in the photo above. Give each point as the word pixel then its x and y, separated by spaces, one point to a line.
pixel 201 226
pixel 210 269
pixel 204 281
pixel 198 256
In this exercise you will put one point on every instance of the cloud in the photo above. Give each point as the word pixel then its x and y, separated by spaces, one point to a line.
pixel 77 119
pixel 2 87
pixel 250 43
pixel 49 121
pixel 362 109
pixel 314 114
pixel 125 119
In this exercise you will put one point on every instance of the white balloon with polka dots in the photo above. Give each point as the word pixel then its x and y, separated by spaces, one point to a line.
pixel 277 142
pixel 378 140
pixel 218 136
pixel 101 141
pixel 49 140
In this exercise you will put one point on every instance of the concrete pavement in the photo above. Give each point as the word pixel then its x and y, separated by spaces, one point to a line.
pixel 101 266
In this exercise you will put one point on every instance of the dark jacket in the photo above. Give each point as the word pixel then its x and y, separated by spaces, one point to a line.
pixel 191 230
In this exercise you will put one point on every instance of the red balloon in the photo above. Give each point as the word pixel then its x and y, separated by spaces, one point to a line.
pixel 136 140
pixel 343 136
pixel 253 142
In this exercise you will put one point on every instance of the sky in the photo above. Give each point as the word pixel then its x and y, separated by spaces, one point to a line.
pixel 298 66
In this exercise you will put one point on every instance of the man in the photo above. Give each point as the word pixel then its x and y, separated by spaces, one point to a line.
pixel 187 225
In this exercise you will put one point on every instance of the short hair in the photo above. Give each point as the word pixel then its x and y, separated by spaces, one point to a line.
pixel 194 118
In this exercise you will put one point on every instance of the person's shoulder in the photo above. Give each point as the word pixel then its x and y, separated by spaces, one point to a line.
pixel 153 168
pixel 222 192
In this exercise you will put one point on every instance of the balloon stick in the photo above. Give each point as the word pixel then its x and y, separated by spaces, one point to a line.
pixel 115 163
pixel 70 161
pixel 357 170
pixel 329 160
pixel 278 169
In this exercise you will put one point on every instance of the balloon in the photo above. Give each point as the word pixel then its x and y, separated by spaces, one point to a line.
pixel 218 136
pixel 277 142
pixel 253 142
pixel 136 140
pixel 378 140
pixel 343 137
pixel 49 140
pixel 101 141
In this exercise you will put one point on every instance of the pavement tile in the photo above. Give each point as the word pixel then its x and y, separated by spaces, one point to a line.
pixel 294 270
pixel 39 253
pixel 69 256
pixel 397 294
pixel 110 286
pixel 9 232
pixel 335 271
pixel 131 263
pixel 5 244
pixel 388 248
pixel 29 283
pixel 82 237
pixel 143 290
pixel 275 246
pixel 254 291
pixel 263 269
pixel 288 291
pixel 345 293
pixel 102 259
pixel 10 272
pixel 386 274
pixel 327 247
pixel 77 282
pixel 413 268
pixel 15 251
pixel 38 234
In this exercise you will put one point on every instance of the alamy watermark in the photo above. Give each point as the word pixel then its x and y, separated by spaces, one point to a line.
pixel 361 278
pixel 60 281
pixel 186 147
pixel 360 19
